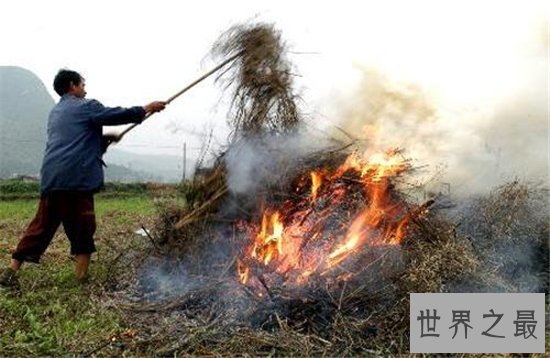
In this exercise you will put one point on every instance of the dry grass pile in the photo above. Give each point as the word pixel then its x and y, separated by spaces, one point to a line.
pixel 215 314
pixel 509 231
pixel 367 314
pixel 200 307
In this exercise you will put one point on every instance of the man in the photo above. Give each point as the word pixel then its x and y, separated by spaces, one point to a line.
pixel 71 173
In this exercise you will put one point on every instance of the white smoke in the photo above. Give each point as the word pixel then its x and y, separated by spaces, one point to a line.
pixel 480 146
pixel 253 163
pixel 480 108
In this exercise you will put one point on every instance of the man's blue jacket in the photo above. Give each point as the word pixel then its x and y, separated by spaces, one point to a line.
pixel 72 160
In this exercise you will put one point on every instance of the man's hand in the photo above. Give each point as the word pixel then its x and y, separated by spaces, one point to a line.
pixel 107 139
pixel 154 107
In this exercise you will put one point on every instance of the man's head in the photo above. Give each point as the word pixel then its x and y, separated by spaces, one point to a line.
pixel 69 82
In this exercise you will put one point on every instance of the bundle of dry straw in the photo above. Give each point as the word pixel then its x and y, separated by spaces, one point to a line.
pixel 263 98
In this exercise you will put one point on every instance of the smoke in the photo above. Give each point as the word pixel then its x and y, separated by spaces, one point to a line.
pixel 160 279
pixel 253 163
pixel 483 141
pixel 485 132
pixel 479 147
pixel 388 114
pixel 203 275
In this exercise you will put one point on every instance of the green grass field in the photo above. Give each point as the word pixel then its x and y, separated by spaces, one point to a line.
pixel 24 209
pixel 53 314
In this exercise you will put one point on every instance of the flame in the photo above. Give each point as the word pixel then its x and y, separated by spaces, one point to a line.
pixel 383 165
pixel 320 235
pixel 352 162
pixel 316 180
pixel 378 167
pixel 269 242
pixel 369 218
pixel 350 244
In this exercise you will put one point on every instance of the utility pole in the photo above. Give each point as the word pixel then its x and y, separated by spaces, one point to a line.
pixel 184 160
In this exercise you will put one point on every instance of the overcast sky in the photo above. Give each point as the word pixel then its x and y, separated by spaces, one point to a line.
pixel 464 53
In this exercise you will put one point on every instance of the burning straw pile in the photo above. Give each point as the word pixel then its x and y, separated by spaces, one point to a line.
pixel 318 261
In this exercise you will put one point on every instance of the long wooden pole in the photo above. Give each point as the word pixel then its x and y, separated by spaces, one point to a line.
pixel 188 87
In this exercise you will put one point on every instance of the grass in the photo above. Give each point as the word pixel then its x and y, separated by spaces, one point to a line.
pixel 24 209
pixel 137 205
pixel 56 317
pixel 18 209
pixel 53 314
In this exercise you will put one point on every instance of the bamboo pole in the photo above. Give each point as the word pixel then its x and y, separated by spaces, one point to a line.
pixel 188 87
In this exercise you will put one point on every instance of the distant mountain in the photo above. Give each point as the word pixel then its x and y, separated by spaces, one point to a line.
pixel 167 168
pixel 24 107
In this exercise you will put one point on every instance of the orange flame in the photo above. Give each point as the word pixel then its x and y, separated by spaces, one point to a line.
pixel 316 180
pixel 352 162
pixel 269 242
pixel 307 244
pixel 383 165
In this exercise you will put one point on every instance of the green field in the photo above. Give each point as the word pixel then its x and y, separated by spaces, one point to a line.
pixel 53 314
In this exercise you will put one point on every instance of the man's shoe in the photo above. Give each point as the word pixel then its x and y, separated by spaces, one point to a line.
pixel 8 279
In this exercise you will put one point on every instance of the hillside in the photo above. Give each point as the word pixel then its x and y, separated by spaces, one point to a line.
pixel 24 107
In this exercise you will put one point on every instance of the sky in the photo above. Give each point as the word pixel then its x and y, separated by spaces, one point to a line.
pixel 463 54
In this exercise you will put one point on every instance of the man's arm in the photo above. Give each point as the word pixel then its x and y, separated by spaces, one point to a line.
pixel 112 116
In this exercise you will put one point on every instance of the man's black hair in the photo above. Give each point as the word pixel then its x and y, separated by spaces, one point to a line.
pixel 63 80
